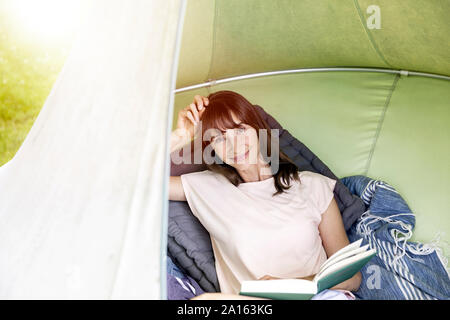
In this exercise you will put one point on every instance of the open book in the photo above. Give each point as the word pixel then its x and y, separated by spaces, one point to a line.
pixel 341 266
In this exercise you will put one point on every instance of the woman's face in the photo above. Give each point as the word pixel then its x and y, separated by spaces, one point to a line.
pixel 237 147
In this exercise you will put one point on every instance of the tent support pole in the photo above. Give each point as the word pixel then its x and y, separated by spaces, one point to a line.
pixel 273 73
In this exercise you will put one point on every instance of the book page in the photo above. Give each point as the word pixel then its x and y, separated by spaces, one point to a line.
pixel 350 247
pixel 346 262
pixel 279 285
pixel 341 257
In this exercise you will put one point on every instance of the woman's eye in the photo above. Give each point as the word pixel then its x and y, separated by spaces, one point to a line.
pixel 217 139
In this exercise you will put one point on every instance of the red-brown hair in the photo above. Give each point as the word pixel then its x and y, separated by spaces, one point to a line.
pixel 218 116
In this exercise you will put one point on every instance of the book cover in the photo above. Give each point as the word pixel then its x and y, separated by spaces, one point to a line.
pixel 341 266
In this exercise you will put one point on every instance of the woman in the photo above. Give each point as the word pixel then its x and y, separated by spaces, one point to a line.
pixel 266 219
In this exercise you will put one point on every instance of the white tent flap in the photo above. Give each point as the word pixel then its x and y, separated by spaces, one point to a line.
pixel 81 202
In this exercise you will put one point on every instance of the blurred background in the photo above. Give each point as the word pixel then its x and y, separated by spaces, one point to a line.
pixel 35 40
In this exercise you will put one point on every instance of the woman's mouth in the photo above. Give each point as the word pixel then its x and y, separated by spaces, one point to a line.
pixel 242 156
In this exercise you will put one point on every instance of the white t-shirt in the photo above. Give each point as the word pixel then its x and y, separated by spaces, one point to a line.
pixel 253 233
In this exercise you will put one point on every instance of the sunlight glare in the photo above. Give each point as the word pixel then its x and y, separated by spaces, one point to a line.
pixel 47 18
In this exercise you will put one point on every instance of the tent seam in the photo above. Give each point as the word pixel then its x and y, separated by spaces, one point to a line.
pixel 165 205
pixel 369 34
pixel 214 39
pixel 380 122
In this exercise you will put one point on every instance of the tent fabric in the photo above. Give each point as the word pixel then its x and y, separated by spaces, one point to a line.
pixel 386 126
pixel 389 127
pixel 82 211
pixel 82 205
pixel 225 38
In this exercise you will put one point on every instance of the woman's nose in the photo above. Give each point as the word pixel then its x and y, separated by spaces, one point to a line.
pixel 235 142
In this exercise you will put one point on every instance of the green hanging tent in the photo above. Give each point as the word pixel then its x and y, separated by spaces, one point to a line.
pixel 364 84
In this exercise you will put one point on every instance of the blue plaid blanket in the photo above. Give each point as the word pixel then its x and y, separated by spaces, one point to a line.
pixel 401 269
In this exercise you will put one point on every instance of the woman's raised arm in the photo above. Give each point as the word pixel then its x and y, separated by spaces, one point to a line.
pixel 187 122
pixel 176 191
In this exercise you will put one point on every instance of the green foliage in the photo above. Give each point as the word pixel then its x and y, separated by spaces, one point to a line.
pixel 28 70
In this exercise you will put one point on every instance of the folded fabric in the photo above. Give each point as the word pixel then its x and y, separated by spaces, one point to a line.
pixel 329 294
pixel 190 246
pixel 179 285
pixel 182 288
pixel 401 269
pixel 173 269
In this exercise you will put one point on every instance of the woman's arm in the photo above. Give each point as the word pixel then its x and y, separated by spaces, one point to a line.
pixel 224 296
pixel 333 236
pixel 176 191
pixel 188 118
pixel 179 138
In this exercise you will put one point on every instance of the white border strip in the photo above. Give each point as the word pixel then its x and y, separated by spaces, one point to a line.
pixel 280 72
pixel 165 195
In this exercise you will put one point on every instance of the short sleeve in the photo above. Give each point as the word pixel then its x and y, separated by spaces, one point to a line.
pixel 200 191
pixel 321 190
pixel 194 186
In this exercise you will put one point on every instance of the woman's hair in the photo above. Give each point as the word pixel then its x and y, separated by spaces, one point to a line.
pixel 218 115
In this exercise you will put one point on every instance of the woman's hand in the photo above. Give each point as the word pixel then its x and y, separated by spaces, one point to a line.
pixel 267 277
pixel 189 117
pixel 224 296
pixel 310 278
